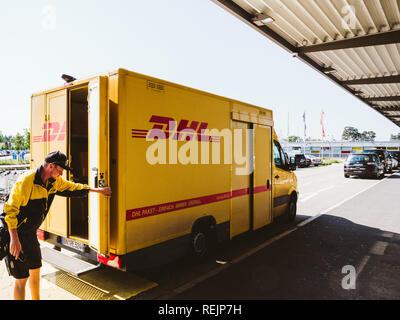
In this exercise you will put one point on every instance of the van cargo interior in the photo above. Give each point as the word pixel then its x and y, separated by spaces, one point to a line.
pixel 78 150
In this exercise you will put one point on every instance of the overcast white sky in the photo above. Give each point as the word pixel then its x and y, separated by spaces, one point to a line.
pixel 190 42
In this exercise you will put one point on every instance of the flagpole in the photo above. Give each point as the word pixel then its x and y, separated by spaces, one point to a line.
pixel 323 131
pixel 288 126
pixel 304 141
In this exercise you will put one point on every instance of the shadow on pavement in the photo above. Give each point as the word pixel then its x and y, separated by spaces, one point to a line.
pixel 308 264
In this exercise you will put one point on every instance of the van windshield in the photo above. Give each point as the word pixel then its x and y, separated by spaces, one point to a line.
pixel 360 158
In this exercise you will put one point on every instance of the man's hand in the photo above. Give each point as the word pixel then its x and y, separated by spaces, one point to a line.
pixel 15 244
pixel 106 191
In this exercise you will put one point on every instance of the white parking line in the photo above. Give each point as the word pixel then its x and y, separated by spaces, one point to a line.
pixel 338 204
pixel 327 188
pixel 223 267
pixel 308 196
pixel 361 266
pixel 379 248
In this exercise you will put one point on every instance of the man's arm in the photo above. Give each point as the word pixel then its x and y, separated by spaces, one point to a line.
pixel 71 189
pixel 106 191
pixel 15 244
pixel 19 196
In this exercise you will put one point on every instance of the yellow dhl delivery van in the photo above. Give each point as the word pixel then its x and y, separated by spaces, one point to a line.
pixel 187 168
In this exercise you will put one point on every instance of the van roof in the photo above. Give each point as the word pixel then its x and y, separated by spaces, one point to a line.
pixel 122 72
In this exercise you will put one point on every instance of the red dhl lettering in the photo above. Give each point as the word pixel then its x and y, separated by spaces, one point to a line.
pixel 169 128
pixel 52 131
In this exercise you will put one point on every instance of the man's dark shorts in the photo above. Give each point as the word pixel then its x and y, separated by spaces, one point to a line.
pixel 31 257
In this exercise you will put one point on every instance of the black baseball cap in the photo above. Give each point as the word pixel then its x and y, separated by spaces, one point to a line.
pixel 58 158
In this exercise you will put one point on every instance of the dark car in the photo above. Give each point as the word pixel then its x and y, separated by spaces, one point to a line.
pixel 364 165
pixel 384 157
pixel 300 160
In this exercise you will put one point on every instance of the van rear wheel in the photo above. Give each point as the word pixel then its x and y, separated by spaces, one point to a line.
pixel 202 241
pixel 291 209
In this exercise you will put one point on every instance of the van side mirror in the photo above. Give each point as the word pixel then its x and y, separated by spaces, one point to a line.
pixel 292 164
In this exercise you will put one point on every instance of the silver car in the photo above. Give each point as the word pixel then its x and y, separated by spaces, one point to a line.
pixel 314 160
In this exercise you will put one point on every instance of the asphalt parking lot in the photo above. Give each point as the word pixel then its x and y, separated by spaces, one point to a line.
pixel 351 251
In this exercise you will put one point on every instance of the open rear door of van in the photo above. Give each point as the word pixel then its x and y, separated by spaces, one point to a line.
pixel 99 205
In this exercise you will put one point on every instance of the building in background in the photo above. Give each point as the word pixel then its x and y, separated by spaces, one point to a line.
pixel 337 149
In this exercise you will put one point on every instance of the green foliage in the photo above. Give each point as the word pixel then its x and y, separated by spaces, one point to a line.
pixel 352 134
pixel 17 142
pixel 395 137
pixel 13 162
pixel 294 139
pixel 327 161
pixel 27 139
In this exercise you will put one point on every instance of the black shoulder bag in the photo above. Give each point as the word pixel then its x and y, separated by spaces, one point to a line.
pixel 4 237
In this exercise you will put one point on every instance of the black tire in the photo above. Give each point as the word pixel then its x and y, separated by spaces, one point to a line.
pixel 202 241
pixel 291 209
pixel 346 176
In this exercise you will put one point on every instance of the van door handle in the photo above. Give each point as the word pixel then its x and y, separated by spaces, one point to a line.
pixel 267 184
pixel 276 177
pixel 96 177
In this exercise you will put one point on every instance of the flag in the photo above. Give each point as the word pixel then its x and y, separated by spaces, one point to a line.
pixel 304 120
pixel 322 124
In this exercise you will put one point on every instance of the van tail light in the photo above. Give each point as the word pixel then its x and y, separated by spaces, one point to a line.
pixel 42 235
pixel 111 260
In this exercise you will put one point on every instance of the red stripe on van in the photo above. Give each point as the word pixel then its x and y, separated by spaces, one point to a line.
pixel 143 212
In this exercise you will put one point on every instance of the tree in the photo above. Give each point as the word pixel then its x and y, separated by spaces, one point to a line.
pixel 351 134
pixel 19 142
pixel 395 137
pixel 27 139
pixel 368 136
pixel 294 139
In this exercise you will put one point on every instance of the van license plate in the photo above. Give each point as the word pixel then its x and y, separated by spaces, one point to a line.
pixel 74 244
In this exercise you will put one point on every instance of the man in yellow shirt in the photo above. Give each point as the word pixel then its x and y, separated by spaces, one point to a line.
pixel 27 207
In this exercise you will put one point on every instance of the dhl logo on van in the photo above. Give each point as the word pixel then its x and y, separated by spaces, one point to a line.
pixel 52 131
pixel 166 128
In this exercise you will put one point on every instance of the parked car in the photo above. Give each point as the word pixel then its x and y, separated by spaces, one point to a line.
pixel 383 156
pixel 300 160
pixel 364 165
pixel 396 156
pixel 308 160
pixel 394 161
pixel 315 161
